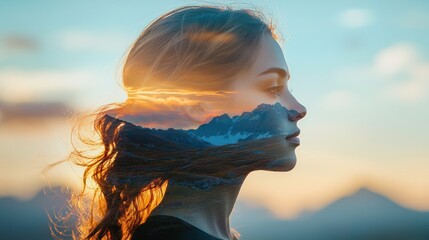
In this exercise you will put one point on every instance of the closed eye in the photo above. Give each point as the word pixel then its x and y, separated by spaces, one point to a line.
pixel 275 91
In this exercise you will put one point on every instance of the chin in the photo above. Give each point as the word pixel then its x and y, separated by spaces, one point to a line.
pixel 283 164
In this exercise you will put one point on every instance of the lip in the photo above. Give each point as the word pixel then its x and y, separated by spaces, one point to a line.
pixel 292 138
pixel 295 134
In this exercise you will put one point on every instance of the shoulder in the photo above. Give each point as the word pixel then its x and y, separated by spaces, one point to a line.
pixel 160 227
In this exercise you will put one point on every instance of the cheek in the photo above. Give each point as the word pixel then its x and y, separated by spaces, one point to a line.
pixel 249 99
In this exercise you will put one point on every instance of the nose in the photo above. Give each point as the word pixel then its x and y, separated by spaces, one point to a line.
pixel 294 115
pixel 296 112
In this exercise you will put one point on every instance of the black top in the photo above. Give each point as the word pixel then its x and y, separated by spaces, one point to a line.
pixel 163 227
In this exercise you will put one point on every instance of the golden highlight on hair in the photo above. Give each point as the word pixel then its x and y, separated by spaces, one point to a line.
pixel 192 48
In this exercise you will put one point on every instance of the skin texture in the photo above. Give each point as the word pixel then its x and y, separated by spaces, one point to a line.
pixel 210 210
pixel 252 89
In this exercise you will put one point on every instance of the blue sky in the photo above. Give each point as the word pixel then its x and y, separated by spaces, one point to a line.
pixel 359 67
pixel 319 38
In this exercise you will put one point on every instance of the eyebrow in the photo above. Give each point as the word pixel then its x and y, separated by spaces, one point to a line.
pixel 280 71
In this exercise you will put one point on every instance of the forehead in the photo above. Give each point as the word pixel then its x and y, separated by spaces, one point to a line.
pixel 270 55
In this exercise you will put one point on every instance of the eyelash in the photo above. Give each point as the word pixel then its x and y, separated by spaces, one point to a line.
pixel 274 90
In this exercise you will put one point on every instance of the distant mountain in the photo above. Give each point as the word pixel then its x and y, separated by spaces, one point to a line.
pixel 263 122
pixel 29 219
pixel 362 215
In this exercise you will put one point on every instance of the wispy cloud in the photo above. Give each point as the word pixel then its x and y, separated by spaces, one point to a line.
pixel 80 40
pixel 395 59
pixel 355 18
pixel 416 88
pixel 33 110
pixel 12 45
pixel 406 73
pixel 18 85
pixel 340 99
pixel 398 72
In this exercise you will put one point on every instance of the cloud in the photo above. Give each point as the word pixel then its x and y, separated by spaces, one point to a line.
pixel 161 120
pixel 395 59
pixel 340 99
pixel 17 85
pixel 355 18
pixel 19 42
pixel 416 88
pixel 181 108
pixel 15 45
pixel 32 110
pixel 79 40
pixel 405 71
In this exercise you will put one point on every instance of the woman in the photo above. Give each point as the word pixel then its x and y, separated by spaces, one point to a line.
pixel 160 180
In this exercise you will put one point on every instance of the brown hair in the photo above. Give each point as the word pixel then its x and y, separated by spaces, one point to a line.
pixel 194 47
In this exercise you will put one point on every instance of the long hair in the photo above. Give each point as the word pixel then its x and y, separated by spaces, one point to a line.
pixel 191 47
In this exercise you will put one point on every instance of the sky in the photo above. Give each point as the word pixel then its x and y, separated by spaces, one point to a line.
pixel 361 69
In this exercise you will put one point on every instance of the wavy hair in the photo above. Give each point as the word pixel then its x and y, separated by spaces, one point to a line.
pixel 179 48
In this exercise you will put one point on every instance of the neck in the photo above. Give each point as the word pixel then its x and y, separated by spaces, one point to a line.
pixel 206 210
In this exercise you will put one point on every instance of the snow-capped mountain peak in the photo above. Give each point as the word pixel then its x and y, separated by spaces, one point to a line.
pixel 264 121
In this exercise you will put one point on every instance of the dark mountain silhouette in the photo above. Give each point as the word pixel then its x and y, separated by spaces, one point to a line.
pixel 362 215
pixel 29 219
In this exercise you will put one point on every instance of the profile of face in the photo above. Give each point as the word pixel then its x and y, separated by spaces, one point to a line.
pixel 265 82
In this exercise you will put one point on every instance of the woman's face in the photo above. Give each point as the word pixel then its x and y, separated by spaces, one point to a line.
pixel 267 82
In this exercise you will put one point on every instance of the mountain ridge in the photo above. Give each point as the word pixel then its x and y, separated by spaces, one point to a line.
pixel 264 121
pixel 364 214
pixel 333 221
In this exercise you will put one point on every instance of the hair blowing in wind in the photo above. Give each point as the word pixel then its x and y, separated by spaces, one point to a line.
pixel 191 48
